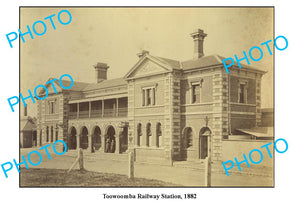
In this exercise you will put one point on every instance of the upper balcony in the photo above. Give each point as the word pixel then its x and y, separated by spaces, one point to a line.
pixel 110 108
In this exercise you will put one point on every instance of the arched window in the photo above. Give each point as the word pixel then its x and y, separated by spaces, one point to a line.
pixel 41 132
pixel 72 144
pixel 96 138
pixel 158 134
pixel 47 134
pixel 56 134
pixel 149 134
pixel 204 137
pixel 84 138
pixel 189 137
pixel 139 134
pixel 51 133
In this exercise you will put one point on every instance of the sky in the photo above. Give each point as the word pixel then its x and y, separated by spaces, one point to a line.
pixel 115 36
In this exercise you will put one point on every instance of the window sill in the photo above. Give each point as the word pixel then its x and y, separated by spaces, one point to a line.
pixel 243 104
pixel 150 106
pixel 149 147
pixel 197 104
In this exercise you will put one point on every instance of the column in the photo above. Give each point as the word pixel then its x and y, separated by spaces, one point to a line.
pixel 38 138
pixel 102 143
pixel 90 137
pixel 143 140
pixel 117 107
pixel 191 92
pixel 154 135
pixel 90 108
pixel 77 141
pixel 102 109
pixel 77 110
pixel 117 150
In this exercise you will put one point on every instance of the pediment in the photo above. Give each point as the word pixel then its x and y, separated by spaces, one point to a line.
pixel 148 67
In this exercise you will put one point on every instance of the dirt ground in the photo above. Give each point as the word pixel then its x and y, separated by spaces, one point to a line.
pixel 77 178
pixel 179 176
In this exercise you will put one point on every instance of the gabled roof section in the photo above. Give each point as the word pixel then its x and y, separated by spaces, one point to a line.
pixel 165 64
pixel 203 62
pixel 27 124
pixel 106 84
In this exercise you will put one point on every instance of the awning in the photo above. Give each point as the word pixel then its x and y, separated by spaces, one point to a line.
pixel 259 131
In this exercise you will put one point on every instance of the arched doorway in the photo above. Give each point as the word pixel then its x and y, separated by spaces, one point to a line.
pixel 148 134
pixel 204 140
pixel 158 134
pixel 84 138
pixel 41 132
pixel 47 134
pixel 124 140
pixel 34 138
pixel 187 142
pixel 139 134
pixel 96 138
pixel 72 139
pixel 51 131
pixel 110 141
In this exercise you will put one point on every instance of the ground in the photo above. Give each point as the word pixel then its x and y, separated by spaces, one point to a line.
pixel 77 178
pixel 191 175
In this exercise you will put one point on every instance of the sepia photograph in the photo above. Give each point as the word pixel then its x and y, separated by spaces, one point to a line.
pixel 147 96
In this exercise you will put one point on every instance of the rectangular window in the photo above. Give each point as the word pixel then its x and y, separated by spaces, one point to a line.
pixel 153 96
pixel 25 111
pixel 242 96
pixel 242 91
pixel 56 135
pixel 196 93
pixel 51 107
pixel 148 96
pixel 143 97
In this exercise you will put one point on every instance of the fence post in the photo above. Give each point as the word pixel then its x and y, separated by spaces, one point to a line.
pixel 208 172
pixel 80 159
pixel 130 165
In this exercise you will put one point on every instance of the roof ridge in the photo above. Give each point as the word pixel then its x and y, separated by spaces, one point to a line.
pixel 165 60
pixel 218 57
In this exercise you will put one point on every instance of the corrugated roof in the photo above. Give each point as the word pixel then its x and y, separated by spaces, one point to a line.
pixel 173 63
pixel 259 131
pixel 77 86
pixel 211 60
pixel 204 61
pixel 106 84
pixel 27 125
pixel 242 64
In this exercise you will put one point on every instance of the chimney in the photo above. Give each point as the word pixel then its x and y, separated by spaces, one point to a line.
pixel 198 37
pixel 25 111
pixel 101 71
